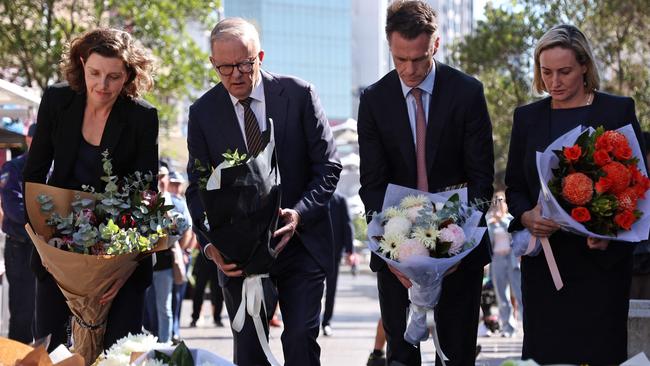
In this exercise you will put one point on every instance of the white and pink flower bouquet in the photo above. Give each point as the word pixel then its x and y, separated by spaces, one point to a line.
pixel 424 235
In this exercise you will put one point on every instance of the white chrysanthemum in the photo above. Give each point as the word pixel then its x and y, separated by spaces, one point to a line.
pixel 120 352
pixel 153 362
pixel 413 213
pixel 391 212
pixel 413 200
pixel 390 243
pixel 115 360
pixel 410 248
pixel 398 225
pixel 427 235
pixel 455 235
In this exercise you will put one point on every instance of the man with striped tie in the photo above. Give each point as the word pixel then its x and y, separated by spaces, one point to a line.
pixel 425 125
pixel 234 115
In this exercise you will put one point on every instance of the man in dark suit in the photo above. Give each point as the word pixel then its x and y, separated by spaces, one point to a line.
pixel 343 237
pixel 425 125
pixel 229 116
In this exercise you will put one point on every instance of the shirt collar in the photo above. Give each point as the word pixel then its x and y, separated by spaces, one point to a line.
pixel 426 84
pixel 257 93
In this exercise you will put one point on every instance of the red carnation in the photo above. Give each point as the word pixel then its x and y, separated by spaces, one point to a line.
pixel 601 157
pixel 603 185
pixel 627 199
pixel 619 175
pixel 623 152
pixel 577 188
pixel 572 153
pixel 581 214
pixel 625 219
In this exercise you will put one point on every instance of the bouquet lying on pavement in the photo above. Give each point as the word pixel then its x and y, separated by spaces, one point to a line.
pixel 593 183
pixel 424 235
pixel 144 350
pixel 89 240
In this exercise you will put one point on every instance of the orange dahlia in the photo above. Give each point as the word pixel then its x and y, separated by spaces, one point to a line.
pixel 627 199
pixel 619 175
pixel 577 188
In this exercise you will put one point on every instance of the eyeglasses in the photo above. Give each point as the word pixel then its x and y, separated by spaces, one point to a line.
pixel 244 67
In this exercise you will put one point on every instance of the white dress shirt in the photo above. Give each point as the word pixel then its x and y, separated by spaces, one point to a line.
pixel 427 90
pixel 258 105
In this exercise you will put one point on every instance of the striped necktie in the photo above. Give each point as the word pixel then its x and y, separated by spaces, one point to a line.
pixel 252 129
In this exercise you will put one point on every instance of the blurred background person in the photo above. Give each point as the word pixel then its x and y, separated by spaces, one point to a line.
pixel 182 250
pixel 18 247
pixel 343 237
pixel 504 269
pixel 205 272
pixel 585 322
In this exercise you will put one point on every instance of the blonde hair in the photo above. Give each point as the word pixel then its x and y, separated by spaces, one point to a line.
pixel 571 38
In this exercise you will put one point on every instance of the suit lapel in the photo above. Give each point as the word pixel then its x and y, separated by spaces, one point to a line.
pixel 114 126
pixel 399 117
pixel 226 124
pixel 69 135
pixel 438 109
pixel 276 107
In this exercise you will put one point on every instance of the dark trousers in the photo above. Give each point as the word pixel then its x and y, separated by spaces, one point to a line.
pixel 22 287
pixel 299 282
pixel 53 315
pixel 330 292
pixel 206 272
pixel 456 317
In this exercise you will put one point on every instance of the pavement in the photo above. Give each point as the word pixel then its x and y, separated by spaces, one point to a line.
pixel 354 322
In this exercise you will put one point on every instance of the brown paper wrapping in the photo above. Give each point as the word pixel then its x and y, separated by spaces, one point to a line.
pixel 82 278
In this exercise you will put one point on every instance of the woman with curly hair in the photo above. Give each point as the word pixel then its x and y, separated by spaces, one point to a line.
pixel 98 109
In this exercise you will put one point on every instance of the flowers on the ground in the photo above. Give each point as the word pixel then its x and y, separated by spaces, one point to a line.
pixel 598 182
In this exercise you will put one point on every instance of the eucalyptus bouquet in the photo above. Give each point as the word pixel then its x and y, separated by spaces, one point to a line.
pixel 424 236
pixel 126 217
pixel 90 240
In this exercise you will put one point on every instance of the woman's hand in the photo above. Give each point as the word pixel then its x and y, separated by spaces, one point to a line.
pixel 537 225
pixel 112 291
pixel 599 244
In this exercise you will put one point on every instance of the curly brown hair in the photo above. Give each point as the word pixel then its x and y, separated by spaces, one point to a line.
pixel 109 42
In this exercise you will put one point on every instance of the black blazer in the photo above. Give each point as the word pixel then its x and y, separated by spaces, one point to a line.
pixel 309 167
pixel 130 136
pixel 530 133
pixel 459 146
pixel 342 230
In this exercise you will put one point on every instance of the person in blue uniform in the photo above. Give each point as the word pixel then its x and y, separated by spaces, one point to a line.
pixel 18 247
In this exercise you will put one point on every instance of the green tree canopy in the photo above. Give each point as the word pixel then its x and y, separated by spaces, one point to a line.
pixel 500 53
pixel 33 36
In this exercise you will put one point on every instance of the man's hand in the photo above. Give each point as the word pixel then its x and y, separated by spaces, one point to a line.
pixel 291 219
pixel 402 279
pixel 599 244
pixel 229 270
pixel 537 225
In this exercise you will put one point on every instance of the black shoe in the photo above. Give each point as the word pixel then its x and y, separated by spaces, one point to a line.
pixel 218 323
pixel 376 358
pixel 193 324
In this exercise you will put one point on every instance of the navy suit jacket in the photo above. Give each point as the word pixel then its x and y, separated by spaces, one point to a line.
pixel 309 167
pixel 459 146
pixel 342 229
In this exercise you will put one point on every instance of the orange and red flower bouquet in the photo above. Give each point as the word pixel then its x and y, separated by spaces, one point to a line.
pixel 593 183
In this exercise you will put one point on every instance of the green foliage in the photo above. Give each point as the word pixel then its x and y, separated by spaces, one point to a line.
pixel 234 158
pixel 360 228
pixel 33 35
pixel 500 53
pixel 180 357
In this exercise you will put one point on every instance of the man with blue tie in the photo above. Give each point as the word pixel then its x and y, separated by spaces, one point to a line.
pixel 232 115
pixel 425 125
